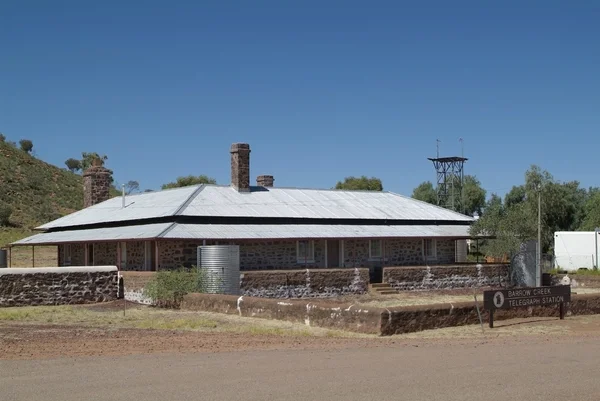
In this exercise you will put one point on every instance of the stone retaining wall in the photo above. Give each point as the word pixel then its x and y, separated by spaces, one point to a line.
pixel 446 277
pixel 384 322
pixel 58 286
pixel 309 283
pixel 339 316
pixel 424 317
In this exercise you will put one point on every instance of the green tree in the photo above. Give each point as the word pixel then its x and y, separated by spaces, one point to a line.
pixel 425 192
pixel 2 137
pixel 26 145
pixel 360 183
pixel 592 211
pixel 515 221
pixel 132 186
pixel 73 165
pixel 189 180
pixel 473 196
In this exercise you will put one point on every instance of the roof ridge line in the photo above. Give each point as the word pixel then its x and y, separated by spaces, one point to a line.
pixel 166 230
pixel 189 200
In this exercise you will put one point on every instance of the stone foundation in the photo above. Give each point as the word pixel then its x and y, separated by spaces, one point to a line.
pixel 309 283
pixel 58 286
pixel 446 277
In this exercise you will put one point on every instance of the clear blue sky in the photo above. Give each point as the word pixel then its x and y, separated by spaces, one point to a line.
pixel 320 89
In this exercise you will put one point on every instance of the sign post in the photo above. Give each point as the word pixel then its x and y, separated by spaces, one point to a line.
pixel 524 297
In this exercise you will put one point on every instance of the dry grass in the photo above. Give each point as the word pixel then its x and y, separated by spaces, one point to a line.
pixel 39 256
pixel 144 317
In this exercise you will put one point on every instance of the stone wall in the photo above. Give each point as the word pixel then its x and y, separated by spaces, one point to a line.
pixel 308 283
pixel 338 316
pixel 409 319
pixel 265 255
pixel 57 286
pixel 135 256
pixel 366 319
pixel 105 253
pixel 446 277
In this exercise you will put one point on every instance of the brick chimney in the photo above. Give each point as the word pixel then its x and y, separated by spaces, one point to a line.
pixel 96 184
pixel 240 166
pixel 265 180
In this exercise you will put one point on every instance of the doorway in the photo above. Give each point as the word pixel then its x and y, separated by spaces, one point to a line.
pixel 89 255
pixel 333 253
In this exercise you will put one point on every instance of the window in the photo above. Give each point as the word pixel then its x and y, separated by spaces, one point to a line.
pixel 67 254
pixel 375 249
pixel 429 252
pixel 305 251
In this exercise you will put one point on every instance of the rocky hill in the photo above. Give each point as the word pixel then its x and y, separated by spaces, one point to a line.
pixel 34 191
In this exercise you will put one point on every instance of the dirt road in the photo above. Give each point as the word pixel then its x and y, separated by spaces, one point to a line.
pixel 466 371
pixel 65 354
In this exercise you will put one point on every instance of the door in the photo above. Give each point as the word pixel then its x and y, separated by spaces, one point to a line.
pixel 333 253
pixel 90 255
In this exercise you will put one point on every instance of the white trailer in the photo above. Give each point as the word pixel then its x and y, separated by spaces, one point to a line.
pixel 575 249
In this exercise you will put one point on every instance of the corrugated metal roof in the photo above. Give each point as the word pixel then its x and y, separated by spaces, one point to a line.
pixel 244 231
pixel 146 231
pixel 224 201
pixel 295 231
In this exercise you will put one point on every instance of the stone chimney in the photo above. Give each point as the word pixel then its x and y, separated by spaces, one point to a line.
pixel 240 166
pixel 265 180
pixel 96 184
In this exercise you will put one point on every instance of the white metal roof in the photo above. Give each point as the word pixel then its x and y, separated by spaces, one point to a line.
pixel 137 207
pixel 225 201
pixel 245 231
pixel 146 231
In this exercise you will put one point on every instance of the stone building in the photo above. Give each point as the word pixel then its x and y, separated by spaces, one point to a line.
pixel 276 228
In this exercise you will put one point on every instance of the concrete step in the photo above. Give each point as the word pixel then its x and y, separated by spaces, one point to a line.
pixel 380 285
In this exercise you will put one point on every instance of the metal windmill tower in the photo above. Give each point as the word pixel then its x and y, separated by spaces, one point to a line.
pixel 450 177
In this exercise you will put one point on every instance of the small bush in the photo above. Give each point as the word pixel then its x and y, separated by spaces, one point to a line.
pixel 2 137
pixel 5 212
pixel 168 287
pixel 26 145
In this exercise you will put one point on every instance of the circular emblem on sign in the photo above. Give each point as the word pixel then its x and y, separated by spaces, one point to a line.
pixel 498 299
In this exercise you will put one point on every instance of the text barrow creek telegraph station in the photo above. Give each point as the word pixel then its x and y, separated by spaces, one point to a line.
pixel 533 297
pixel 523 297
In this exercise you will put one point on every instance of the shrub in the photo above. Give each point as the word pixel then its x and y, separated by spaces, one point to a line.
pixel 168 287
pixel 5 212
pixel 26 145
pixel 2 137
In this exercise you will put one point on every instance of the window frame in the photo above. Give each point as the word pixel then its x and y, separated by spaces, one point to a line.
pixel 375 257
pixel 310 258
pixel 433 247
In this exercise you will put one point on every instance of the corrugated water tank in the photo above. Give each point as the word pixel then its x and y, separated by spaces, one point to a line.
pixel 222 267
